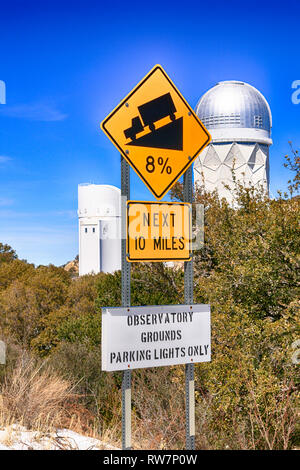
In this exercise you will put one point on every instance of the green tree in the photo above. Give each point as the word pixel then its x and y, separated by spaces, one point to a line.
pixel 28 301
pixel 293 164
pixel 6 253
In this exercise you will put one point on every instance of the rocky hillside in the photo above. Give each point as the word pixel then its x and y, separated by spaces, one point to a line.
pixel 72 266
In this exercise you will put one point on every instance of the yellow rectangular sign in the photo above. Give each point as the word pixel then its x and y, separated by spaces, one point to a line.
pixel 158 231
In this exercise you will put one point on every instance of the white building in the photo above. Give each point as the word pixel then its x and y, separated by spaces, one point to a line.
pixel 99 212
pixel 239 120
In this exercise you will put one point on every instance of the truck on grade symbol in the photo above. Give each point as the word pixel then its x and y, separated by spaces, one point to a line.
pixel 151 112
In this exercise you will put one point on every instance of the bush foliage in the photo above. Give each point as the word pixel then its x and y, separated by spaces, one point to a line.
pixel 248 270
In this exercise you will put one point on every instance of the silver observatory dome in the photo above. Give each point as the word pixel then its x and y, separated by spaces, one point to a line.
pixel 235 111
pixel 239 120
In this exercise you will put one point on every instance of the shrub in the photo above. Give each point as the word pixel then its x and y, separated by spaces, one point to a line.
pixel 34 395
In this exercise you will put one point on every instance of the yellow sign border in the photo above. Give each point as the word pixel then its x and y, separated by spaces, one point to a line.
pixel 122 103
pixel 155 260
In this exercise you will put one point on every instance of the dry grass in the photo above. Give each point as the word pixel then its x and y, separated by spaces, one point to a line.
pixel 34 396
pixel 159 411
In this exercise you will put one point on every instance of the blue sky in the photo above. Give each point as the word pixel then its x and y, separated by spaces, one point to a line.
pixel 66 65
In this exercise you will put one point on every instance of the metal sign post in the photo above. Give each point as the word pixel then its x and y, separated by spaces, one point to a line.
pixel 188 298
pixel 126 385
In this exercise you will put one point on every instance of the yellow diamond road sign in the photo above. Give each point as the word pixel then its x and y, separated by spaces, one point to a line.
pixel 156 131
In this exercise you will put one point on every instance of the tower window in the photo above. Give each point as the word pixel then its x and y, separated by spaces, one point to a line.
pixel 85 230
pixel 258 121
pixel 222 119
pixel 94 230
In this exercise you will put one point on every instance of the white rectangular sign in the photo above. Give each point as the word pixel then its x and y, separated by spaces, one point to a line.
pixel 164 335
pixel 2 352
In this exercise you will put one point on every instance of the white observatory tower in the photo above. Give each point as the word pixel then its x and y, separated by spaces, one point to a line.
pixel 99 212
pixel 239 120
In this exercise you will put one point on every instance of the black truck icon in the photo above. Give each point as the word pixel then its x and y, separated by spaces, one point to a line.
pixel 151 112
